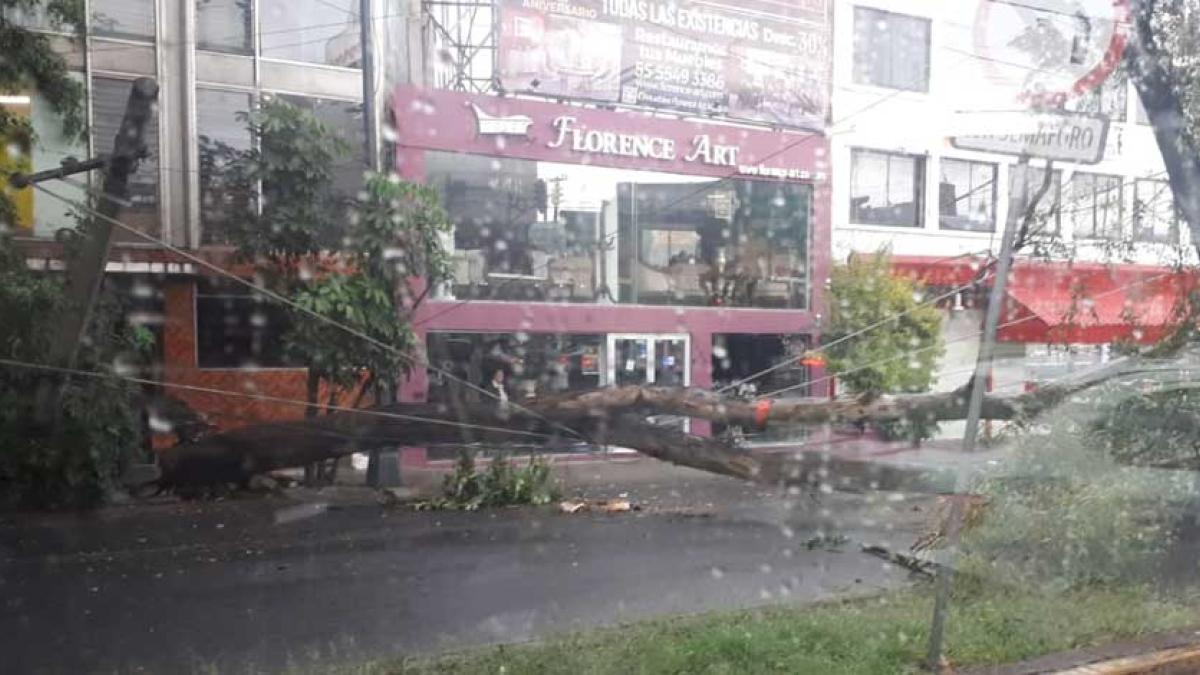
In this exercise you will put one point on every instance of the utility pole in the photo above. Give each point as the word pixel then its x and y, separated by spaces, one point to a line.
pixel 1017 204
pixel 86 272
pixel 370 114
pixel 383 467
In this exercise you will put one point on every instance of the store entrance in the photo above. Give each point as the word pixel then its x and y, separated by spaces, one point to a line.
pixel 653 359
pixel 648 359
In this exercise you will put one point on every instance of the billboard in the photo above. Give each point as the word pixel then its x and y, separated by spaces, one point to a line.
pixel 757 60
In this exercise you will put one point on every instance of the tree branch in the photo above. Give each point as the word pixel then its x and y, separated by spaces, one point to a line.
pixel 614 416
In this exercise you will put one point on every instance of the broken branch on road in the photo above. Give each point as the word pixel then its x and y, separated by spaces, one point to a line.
pixel 613 416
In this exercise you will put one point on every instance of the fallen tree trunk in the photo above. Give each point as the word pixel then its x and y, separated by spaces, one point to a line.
pixel 613 416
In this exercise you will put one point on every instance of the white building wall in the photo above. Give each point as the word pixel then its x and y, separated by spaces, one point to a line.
pixel 885 119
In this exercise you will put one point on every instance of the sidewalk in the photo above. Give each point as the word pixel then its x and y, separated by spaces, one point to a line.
pixel 858 464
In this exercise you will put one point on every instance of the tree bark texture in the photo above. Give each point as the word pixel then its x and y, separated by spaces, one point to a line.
pixel 613 416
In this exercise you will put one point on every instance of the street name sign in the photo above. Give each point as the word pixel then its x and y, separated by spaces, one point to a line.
pixel 1060 136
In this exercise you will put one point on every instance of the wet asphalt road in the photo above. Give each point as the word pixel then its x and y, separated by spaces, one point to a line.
pixel 266 586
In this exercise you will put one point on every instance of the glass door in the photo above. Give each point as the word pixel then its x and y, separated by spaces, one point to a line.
pixel 655 359
pixel 635 359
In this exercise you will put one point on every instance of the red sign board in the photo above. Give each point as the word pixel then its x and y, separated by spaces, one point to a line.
pixel 535 130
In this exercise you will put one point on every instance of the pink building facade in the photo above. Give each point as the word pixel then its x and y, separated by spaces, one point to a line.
pixel 596 247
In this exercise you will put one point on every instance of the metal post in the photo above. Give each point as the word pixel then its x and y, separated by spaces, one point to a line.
pixel 383 468
pixel 370 114
pixel 85 274
pixel 1016 210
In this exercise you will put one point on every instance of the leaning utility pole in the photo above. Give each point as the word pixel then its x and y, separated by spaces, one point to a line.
pixel 86 272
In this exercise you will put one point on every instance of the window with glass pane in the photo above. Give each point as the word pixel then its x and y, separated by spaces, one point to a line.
pixel 1109 98
pixel 123 18
pixel 1048 213
pixel 534 364
pixel 1093 204
pixel 891 50
pixel 224 25
pixel 36 17
pixel 109 97
pixel 887 189
pixel 740 243
pixel 541 231
pixel 238 329
pixel 347 118
pixel 967 196
pixel 313 31
pixel 1155 217
pixel 516 237
pixel 222 138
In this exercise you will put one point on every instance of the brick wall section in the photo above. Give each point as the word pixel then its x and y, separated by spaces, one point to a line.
pixel 226 410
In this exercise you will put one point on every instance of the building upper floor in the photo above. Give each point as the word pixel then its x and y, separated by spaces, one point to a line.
pixel 870 86
pixel 907 72
pixel 213 60
pixel 736 222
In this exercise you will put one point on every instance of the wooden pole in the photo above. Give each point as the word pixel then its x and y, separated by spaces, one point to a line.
pixel 86 272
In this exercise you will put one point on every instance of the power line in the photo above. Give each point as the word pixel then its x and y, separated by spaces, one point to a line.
pixel 806 138
pixel 968 336
pixel 95 374
pixel 862 331
pixel 295 306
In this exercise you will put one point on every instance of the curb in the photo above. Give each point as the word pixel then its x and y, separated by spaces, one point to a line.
pixel 1169 662
pixel 1171 653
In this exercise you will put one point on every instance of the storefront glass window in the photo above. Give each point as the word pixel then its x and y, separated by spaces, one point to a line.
pixel 539 231
pixel 739 243
pixel 532 364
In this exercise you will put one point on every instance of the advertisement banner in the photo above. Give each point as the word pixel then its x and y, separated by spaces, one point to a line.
pixel 757 60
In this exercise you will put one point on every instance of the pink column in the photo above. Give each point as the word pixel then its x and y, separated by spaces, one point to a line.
pixel 702 373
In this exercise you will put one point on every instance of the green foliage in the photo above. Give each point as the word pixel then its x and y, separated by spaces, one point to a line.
pixel 895 344
pixel 882 635
pixel 502 484
pixel 332 354
pixel 75 464
pixel 397 234
pixel 903 352
pixel 351 262
pixel 297 214
pixel 30 64
pixel 1063 515
pixel 1154 427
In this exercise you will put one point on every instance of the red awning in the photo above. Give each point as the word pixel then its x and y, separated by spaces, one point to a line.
pixel 1059 302
pixel 938 271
